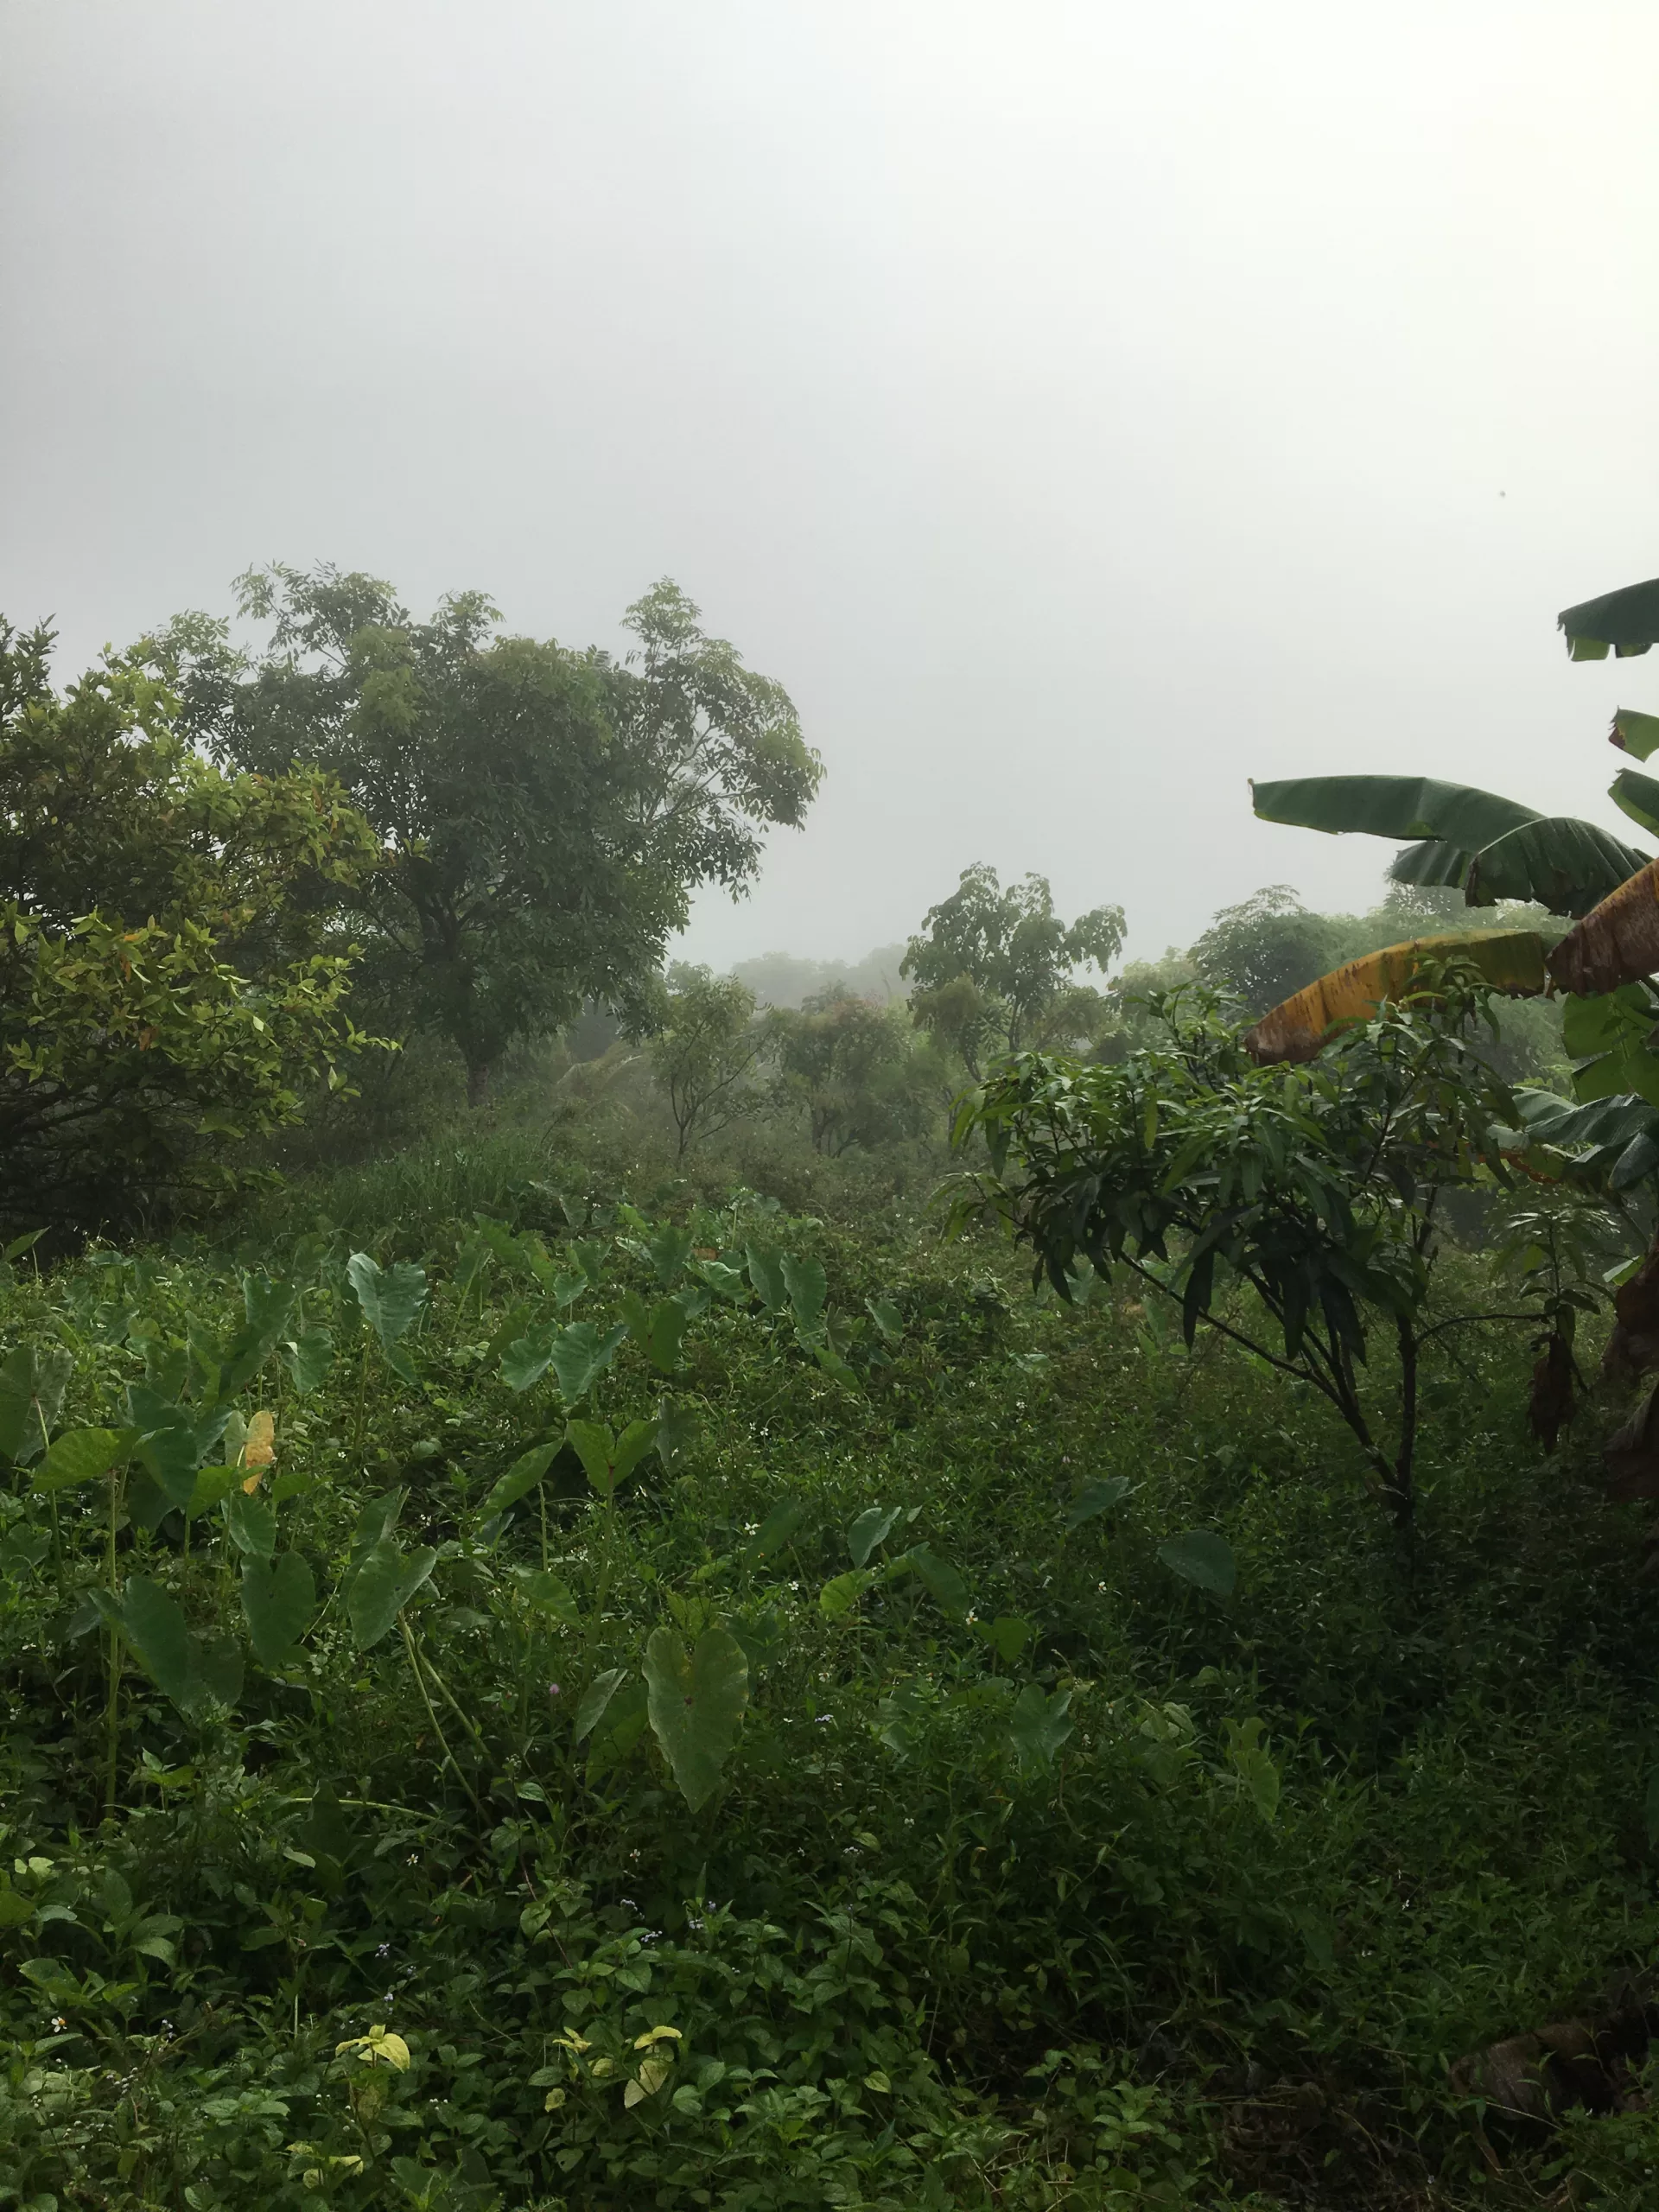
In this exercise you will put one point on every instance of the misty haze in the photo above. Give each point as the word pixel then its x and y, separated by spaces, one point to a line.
pixel 828 1106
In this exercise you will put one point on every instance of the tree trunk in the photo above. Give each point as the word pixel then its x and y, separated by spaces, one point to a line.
pixel 478 1082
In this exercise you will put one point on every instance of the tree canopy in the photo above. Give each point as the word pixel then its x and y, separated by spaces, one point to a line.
pixel 164 985
pixel 547 812
pixel 988 963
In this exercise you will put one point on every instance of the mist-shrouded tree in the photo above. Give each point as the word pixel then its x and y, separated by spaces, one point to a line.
pixel 860 1070
pixel 166 986
pixel 1267 946
pixel 704 1048
pixel 988 964
pixel 546 813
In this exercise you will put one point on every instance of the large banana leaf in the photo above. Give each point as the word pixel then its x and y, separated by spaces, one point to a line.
pixel 1392 806
pixel 1634 733
pixel 1511 960
pixel 1628 621
pixel 1493 847
pixel 1616 943
pixel 1556 861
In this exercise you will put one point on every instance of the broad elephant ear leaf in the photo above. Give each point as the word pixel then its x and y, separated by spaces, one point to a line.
pixel 1511 960
pixel 1615 942
pixel 1627 620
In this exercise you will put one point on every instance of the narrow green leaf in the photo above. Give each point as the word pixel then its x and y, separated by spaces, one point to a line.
pixel 777 1528
pixel 807 1285
pixel 252 1524
pixel 595 1699
pixel 767 1274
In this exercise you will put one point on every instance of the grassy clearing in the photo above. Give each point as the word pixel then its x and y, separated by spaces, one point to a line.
pixel 1033 1875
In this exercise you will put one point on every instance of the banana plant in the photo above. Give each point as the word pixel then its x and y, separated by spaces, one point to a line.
pixel 1492 848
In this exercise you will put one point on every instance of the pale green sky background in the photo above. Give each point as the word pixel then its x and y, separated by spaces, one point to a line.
pixel 1081 407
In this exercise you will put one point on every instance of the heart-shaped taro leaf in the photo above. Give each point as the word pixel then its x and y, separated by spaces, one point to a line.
pixel 1203 1557
pixel 383 1586
pixel 696 1703
pixel 279 1597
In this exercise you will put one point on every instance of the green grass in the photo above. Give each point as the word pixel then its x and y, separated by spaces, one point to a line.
pixel 1300 1850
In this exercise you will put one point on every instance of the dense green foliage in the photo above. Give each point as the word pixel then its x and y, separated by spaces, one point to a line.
pixel 366 1851
pixel 166 988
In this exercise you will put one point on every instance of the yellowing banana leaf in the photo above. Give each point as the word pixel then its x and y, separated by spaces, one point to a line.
pixel 1617 941
pixel 1512 961
pixel 1628 621
pixel 1635 734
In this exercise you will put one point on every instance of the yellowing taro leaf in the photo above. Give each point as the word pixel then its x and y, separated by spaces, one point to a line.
pixel 1615 942
pixel 1512 961
pixel 260 1450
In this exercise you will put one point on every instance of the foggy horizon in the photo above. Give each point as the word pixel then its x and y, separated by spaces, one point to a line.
pixel 1080 414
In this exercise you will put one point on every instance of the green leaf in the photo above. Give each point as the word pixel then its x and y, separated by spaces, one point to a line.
pixel 266 1307
pixel 1249 1758
pixel 668 1325
pixel 887 1317
pixel 807 1285
pixel 940 1580
pixel 1204 1558
pixel 1402 807
pixel 1627 619
pixel 609 1460
pixel 1637 796
pixel 19 1245
pixel 1098 1497
pixel 668 1250
pixel 871 1529
pixel 1636 735
pixel 1008 1636
pixel 82 1455
pixel 841 1594
pixel 549 1594
pixel 678 1430
pixel 775 1531
pixel 1566 865
pixel 32 1379
pixel 308 1359
pixel 278 1598
pixel 382 1586
pixel 1606 1037
pixel 595 1699
pixel 527 1358
pixel 696 1705
pixel 767 1274
pixel 194 1673
pixel 252 1524
pixel 580 1356
pixel 520 1478
pixel 390 1297
pixel 1038 1726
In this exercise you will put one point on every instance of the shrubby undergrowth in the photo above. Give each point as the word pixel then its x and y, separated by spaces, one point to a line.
pixel 865 1801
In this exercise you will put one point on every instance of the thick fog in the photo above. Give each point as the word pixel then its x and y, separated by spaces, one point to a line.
pixel 1080 408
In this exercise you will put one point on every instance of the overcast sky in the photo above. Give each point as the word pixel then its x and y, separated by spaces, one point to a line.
pixel 1080 408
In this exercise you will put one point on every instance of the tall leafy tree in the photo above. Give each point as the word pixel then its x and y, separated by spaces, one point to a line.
pixel 547 812
pixel 705 1049
pixel 165 991
pixel 988 963
pixel 864 1074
